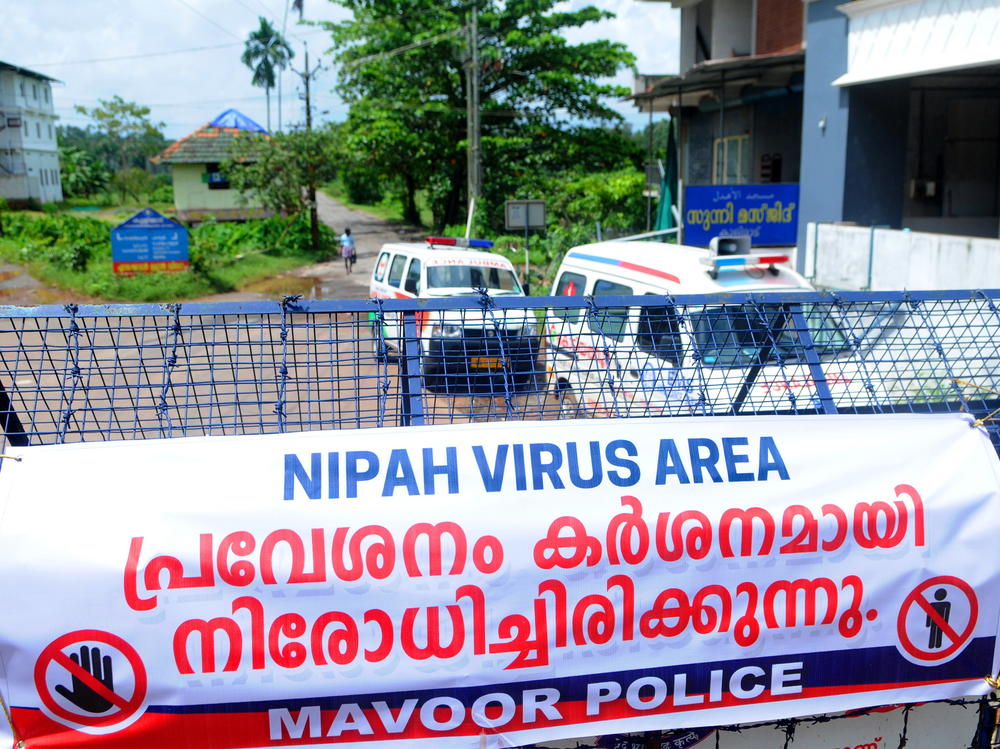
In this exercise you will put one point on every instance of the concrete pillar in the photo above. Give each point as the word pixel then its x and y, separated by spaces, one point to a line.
pixel 824 118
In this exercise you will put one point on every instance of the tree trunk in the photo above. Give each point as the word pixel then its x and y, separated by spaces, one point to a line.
pixel 411 214
pixel 453 202
pixel 267 95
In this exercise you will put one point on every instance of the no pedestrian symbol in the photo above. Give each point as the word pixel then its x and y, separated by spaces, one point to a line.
pixel 91 678
pixel 937 619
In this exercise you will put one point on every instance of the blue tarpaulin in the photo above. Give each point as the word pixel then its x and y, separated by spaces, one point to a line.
pixel 235 118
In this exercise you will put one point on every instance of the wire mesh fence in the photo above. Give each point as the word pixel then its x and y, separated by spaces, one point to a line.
pixel 70 374
pixel 149 371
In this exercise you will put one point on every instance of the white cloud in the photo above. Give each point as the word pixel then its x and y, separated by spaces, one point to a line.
pixel 58 37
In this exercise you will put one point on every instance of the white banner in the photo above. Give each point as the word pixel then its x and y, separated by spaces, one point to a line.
pixel 495 584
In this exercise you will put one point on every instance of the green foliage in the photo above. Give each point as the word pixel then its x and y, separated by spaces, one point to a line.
pixel 407 122
pixel 75 251
pixel 125 130
pixel 278 169
pixel 162 194
pixel 361 185
pixel 132 183
pixel 62 241
pixel 615 199
pixel 99 148
pixel 80 173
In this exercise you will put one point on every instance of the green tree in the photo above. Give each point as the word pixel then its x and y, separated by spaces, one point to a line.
pixel 132 183
pixel 265 52
pixel 402 71
pixel 279 169
pixel 127 129
pixel 81 174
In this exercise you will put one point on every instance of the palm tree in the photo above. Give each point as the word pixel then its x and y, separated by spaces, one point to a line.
pixel 265 52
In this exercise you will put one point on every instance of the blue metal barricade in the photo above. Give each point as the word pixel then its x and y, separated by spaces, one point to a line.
pixel 150 371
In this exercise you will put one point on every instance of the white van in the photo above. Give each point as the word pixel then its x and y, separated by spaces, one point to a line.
pixel 470 351
pixel 660 360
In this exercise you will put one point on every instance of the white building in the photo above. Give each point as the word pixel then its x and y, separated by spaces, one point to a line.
pixel 29 156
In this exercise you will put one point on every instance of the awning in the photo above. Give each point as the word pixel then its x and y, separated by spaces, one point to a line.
pixel 709 76
pixel 887 40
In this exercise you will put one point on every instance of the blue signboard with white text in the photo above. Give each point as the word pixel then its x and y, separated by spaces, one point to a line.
pixel 768 214
pixel 149 242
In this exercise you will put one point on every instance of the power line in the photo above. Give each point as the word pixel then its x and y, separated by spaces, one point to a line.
pixel 252 10
pixel 199 13
pixel 135 57
pixel 147 54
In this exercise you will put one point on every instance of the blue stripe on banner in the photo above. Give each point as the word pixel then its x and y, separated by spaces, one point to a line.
pixel 864 667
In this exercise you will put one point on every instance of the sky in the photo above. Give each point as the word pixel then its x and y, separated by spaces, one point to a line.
pixel 182 57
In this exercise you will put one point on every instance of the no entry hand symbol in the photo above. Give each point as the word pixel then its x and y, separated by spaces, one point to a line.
pixel 79 684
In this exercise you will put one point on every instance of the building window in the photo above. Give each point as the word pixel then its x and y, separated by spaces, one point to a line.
pixel 731 160
pixel 216 180
pixel 21 86
pixel 50 131
pixel 38 129
pixel 34 91
pixel 45 93
pixel 45 176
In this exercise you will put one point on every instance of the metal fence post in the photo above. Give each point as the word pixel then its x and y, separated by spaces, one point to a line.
pixel 823 394
pixel 411 386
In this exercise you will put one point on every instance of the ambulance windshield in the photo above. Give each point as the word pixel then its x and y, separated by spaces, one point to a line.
pixel 464 278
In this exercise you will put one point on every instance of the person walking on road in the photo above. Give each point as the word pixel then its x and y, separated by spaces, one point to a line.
pixel 348 250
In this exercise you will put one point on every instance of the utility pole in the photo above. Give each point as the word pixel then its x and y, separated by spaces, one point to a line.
pixel 306 74
pixel 472 111
pixel 284 26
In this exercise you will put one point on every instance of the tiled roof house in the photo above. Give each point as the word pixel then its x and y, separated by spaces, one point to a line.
pixel 200 189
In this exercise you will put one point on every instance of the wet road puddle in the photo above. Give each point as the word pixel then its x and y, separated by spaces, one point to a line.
pixel 285 286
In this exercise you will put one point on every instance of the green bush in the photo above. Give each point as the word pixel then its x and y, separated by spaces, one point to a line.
pixel 66 242
pixel 162 194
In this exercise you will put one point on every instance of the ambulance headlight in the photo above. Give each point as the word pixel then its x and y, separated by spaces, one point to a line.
pixel 446 331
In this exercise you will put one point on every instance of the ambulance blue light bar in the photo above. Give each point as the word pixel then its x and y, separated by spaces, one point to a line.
pixel 483 244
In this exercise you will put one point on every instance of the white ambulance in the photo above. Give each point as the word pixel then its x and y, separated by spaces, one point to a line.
pixel 462 352
pixel 663 360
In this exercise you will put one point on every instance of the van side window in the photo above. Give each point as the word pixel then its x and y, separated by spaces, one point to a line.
pixel 396 271
pixel 610 321
pixel 381 265
pixel 570 284
pixel 413 277
pixel 658 334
